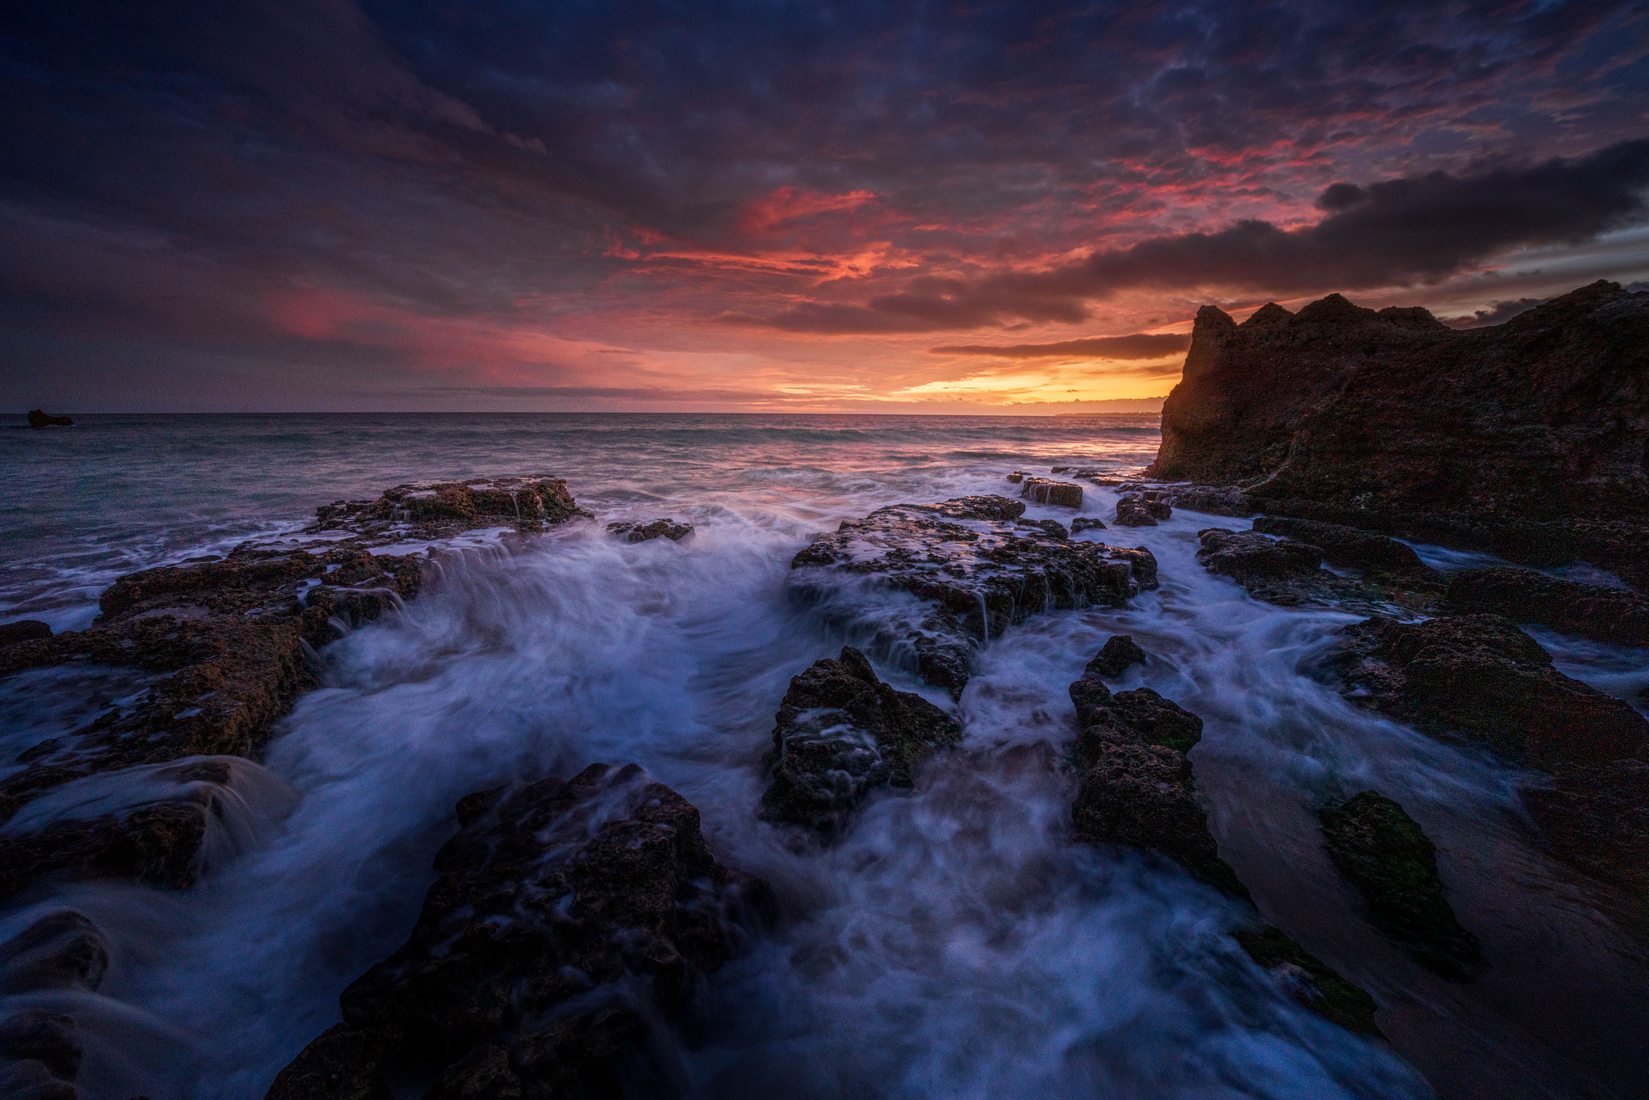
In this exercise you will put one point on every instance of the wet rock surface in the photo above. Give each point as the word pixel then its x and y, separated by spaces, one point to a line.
pixel 1119 653
pixel 1384 853
pixel 1060 494
pixel 567 922
pixel 1138 788
pixel 1146 508
pixel 1596 819
pixel 40 1051
pixel 1616 615
pixel 654 529
pixel 1481 678
pixel 1352 548
pixel 23 630
pixel 1356 416
pixel 841 734
pixel 446 508
pixel 1086 523
pixel 974 568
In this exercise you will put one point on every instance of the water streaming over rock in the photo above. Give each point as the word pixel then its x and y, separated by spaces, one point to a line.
pixel 956 941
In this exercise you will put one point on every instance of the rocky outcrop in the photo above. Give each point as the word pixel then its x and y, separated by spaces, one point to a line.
pixel 1119 653
pixel 1138 788
pixel 40 1052
pixel 1145 508
pixel 23 630
pixel 1289 572
pixel 1086 523
pixel 1043 490
pixel 841 734
pixel 446 508
pixel 1384 853
pixel 654 529
pixel 974 568
pixel 1481 678
pixel 39 418
pixel 1352 548
pixel 568 920
pixel 1357 416
pixel 1615 615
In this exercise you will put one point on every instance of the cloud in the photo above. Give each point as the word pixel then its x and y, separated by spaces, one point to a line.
pixel 1499 313
pixel 1137 346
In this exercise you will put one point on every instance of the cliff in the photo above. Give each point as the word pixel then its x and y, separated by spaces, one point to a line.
pixel 1529 438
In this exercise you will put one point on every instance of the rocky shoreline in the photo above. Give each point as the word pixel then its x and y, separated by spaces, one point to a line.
pixel 573 919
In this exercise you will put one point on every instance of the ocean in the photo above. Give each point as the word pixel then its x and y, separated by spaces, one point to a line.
pixel 957 941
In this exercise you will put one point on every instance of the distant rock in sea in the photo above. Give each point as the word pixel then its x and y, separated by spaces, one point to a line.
pixel 1529 439
pixel 39 418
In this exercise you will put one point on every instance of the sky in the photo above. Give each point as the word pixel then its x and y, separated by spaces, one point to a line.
pixel 776 207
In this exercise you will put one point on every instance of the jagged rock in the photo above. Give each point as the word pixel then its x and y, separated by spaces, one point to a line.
pixel 974 569
pixel 23 630
pixel 1384 853
pixel 567 922
pixel 1614 615
pixel 40 1054
pixel 38 418
pixel 443 509
pixel 1214 500
pixel 1352 548
pixel 1138 788
pixel 1018 476
pixel 656 529
pixel 1142 509
pixel 1042 490
pixel 1479 677
pixel 1357 416
pixel 214 651
pixel 841 733
pixel 1115 657
pixel 1086 523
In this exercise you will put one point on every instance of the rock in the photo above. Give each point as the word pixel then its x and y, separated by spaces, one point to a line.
pixel 841 733
pixel 1142 509
pixel 1481 678
pixel 1383 852
pixel 1017 476
pixel 568 921
pixel 214 652
pixel 1214 500
pixel 1351 548
pixel 23 630
pixel 38 418
pixel 1596 819
pixel 656 529
pixel 1616 615
pixel 1357 416
pixel 1086 523
pixel 1138 788
pixel 974 569
pixel 40 1053
pixel 1115 657
pixel 1042 490
pixel 1248 558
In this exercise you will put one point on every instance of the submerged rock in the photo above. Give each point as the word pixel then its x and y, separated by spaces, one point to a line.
pixel 1357 416
pixel 1042 490
pixel 1119 653
pixel 1142 509
pixel 1481 678
pixel 40 1051
pixel 1615 615
pixel 215 651
pixel 974 568
pixel 655 529
pixel 39 418
pixel 567 922
pixel 1384 853
pixel 1138 788
pixel 840 734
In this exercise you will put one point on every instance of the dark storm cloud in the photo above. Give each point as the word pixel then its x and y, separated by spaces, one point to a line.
pixel 174 169
pixel 1137 346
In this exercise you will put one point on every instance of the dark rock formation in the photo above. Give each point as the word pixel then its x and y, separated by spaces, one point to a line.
pixel 1352 548
pixel 1363 417
pixel 216 651
pixel 1383 852
pixel 567 921
pixel 23 630
pixel 840 734
pixel 39 418
pixel 1017 477
pixel 1481 678
pixel 1138 788
pixel 974 568
pixel 1212 499
pixel 1613 615
pixel 656 529
pixel 1042 490
pixel 1142 509
pixel 40 1054
pixel 1596 819
pixel 1116 656
pixel 1086 523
